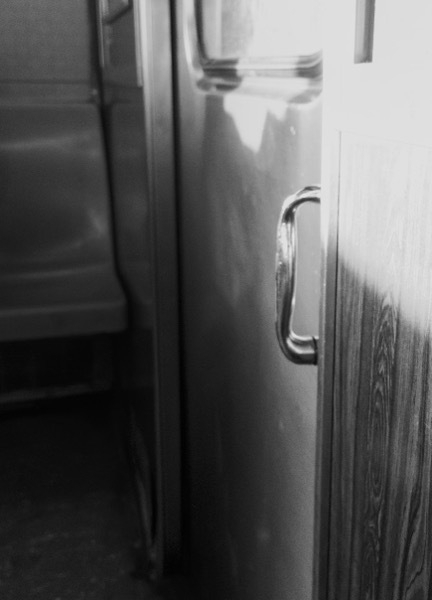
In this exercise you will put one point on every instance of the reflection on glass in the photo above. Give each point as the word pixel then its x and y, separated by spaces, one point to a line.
pixel 255 29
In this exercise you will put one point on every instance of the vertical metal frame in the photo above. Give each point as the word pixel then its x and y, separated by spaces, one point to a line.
pixel 138 43
pixel 156 77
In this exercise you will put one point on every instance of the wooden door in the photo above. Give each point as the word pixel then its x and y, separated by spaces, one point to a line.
pixel 378 212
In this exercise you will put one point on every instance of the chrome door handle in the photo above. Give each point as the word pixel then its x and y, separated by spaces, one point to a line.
pixel 299 349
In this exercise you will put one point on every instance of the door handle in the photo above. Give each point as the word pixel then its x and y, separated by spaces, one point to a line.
pixel 297 348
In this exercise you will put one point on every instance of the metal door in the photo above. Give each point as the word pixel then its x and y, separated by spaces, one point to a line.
pixel 248 135
pixel 377 201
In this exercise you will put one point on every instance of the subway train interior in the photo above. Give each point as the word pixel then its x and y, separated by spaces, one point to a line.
pixel 215 300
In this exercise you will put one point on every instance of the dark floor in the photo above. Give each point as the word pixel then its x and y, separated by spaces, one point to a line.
pixel 68 528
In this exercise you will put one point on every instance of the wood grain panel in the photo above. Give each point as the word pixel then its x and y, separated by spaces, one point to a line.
pixel 380 544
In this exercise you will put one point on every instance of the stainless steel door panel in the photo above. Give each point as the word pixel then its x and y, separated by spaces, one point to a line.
pixel 251 414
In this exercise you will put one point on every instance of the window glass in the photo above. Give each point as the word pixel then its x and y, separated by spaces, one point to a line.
pixel 258 29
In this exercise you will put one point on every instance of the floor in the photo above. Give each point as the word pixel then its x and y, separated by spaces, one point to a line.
pixel 68 525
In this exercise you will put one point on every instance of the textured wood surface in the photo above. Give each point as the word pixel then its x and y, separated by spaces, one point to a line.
pixel 380 541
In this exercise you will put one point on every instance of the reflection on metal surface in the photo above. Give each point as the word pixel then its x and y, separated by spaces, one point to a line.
pixel 298 349
pixel 250 118
pixel 260 29
pixel 210 71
